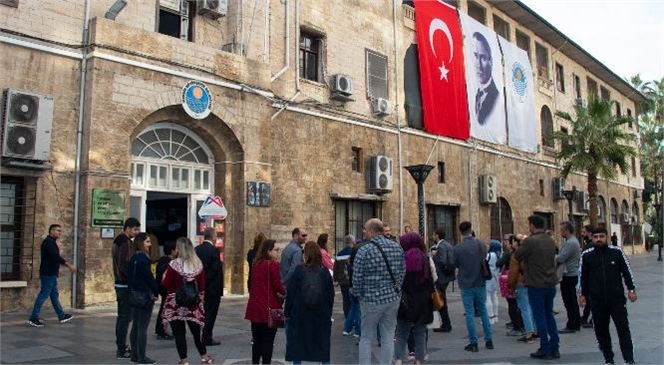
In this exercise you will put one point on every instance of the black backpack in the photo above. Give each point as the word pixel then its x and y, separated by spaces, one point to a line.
pixel 312 288
pixel 187 295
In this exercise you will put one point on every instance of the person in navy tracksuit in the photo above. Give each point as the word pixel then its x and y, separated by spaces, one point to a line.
pixel 603 268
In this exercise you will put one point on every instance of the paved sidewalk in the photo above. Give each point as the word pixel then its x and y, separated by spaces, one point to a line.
pixel 90 337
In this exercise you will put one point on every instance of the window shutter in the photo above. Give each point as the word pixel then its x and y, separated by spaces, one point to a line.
pixel 376 75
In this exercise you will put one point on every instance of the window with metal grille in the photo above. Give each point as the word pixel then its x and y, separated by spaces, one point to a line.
pixel 356 159
pixel 349 218
pixel 443 216
pixel 310 56
pixel 542 55
pixel 376 75
pixel 501 27
pixel 17 220
pixel 502 222
pixel 614 211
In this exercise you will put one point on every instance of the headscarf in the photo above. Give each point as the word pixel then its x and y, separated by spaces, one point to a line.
pixel 416 259
pixel 494 246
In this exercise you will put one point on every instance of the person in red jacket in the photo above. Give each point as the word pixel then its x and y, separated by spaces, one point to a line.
pixel 266 287
pixel 186 267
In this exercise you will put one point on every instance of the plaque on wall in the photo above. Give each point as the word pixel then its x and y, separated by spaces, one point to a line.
pixel 196 100
pixel 108 208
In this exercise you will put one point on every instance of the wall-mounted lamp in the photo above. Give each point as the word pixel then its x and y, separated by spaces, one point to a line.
pixel 115 9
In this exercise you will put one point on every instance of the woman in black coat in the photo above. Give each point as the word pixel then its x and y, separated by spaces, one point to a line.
pixel 416 309
pixel 309 301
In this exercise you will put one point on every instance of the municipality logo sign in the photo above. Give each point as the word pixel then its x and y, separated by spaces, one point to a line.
pixel 519 82
pixel 196 100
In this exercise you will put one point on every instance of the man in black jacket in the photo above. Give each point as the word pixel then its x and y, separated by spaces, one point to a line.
pixel 603 267
pixel 586 235
pixel 443 259
pixel 48 275
pixel 214 282
pixel 119 251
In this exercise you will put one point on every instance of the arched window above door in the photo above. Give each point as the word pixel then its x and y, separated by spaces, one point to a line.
pixel 501 219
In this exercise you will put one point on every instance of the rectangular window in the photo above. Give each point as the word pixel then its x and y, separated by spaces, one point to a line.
pixel 592 88
pixel 548 219
pixel 542 55
pixel 441 172
pixel 604 92
pixel 629 116
pixel 541 187
pixel 523 42
pixel 310 56
pixel 633 166
pixel 175 18
pixel 356 159
pixel 349 218
pixel 17 227
pixel 501 27
pixel 618 109
pixel 560 77
pixel 445 217
pixel 577 87
pixel 376 75
pixel 477 12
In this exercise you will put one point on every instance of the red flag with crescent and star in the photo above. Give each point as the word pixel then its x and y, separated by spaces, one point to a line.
pixel 442 74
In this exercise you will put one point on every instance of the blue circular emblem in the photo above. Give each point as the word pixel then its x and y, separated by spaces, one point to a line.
pixel 519 81
pixel 196 100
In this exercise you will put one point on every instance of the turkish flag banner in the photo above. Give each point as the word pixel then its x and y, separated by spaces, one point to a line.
pixel 442 73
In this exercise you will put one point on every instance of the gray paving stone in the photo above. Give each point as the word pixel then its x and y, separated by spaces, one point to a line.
pixel 31 354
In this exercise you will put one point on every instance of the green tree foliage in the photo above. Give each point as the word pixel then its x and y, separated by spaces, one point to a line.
pixel 597 145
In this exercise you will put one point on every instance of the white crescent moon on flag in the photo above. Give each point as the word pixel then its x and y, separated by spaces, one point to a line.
pixel 437 24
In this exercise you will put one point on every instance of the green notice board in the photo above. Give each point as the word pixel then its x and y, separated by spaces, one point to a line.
pixel 108 208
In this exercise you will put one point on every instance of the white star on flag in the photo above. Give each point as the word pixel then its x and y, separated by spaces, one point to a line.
pixel 443 71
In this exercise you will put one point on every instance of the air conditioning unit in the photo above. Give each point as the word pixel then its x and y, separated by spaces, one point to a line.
pixel 381 174
pixel 582 199
pixel 624 218
pixel 380 107
pixel 214 9
pixel 557 188
pixel 342 85
pixel 27 126
pixel 488 189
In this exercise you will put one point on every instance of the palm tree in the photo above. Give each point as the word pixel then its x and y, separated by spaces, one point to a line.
pixel 596 145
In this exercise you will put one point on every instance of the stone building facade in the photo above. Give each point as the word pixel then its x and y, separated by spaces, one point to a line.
pixel 118 124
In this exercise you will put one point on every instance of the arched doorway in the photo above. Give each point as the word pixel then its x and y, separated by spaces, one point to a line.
pixel 172 172
pixel 501 219
pixel 601 211
pixel 546 120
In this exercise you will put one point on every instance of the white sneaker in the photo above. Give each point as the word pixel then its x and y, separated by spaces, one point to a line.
pixel 345 333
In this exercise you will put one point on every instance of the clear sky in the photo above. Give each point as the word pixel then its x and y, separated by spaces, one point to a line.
pixel 627 36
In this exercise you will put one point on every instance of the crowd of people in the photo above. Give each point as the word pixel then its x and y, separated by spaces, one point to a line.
pixel 388 285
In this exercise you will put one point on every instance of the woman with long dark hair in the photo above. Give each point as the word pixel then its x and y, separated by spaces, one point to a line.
pixel 141 280
pixel 266 287
pixel 325 254
pixel 251 254
pixel 416 310
pixel 309 309
pixel 186 268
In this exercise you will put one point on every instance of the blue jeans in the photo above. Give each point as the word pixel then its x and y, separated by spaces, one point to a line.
pixel 526 311
pixel 471 298
pixel 49 288
pixel 375 316
pixel 353 317
pixel 541 302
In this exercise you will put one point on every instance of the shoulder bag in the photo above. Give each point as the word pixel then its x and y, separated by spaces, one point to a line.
pixel 275 316
pixel 484 265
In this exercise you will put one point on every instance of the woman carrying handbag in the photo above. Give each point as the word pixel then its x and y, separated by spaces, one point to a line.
pixel 266 287
pixel 143 290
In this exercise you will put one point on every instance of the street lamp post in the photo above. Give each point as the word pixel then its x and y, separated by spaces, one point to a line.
pixel 657 207
pixel 570 195
pixel 420 174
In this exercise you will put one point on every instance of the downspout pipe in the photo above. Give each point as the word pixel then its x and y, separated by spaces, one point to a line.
pixel 396 113
pixel 296 45
pixel 286 44
pixel 79 146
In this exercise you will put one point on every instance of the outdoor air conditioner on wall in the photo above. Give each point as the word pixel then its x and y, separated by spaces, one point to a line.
pixel 342 85
pixel 488 189
pixel 27 123
pixel 214 9
pixel 381 174
pixel 380 106
pixel 582 201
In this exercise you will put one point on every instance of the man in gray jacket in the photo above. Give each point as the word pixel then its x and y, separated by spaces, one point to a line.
pixel 468 256
pixel 444 261
pixel 291 256
pixel 569 256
